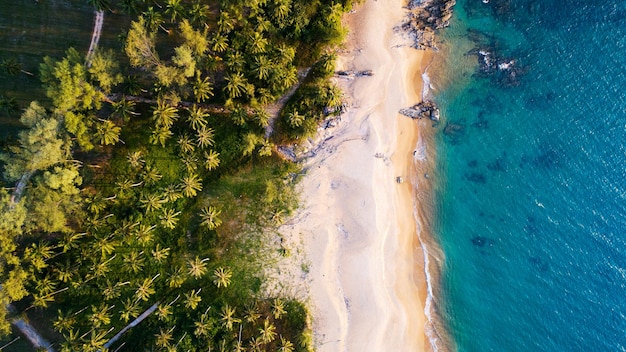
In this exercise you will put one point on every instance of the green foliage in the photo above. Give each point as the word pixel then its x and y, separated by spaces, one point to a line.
pixel 69 85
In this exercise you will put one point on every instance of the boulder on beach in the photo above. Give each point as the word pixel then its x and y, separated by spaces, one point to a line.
pixel 425 109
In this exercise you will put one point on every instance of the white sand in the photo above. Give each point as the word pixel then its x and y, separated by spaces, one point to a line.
pixel 357 224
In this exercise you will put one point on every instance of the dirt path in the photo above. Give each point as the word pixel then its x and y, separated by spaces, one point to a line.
pixel 95 36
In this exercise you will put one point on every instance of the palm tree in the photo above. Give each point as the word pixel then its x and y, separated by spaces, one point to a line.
pixel 134 261
pixel 256 345
pixel 169 218
pixel 13 67
pixel 64 322
pixel 164 337
pixel 267 333
pixel 205 137
pixel 177 278
pixel 266 148
pixel 160 135
pixel 144 233
pixel 219 43
pixel 221 277
pixel 131 310
pixel 154 19
pixel 251 313
pixel 164 115
pixel 145 290
pixel 160 254
pixel 211 159
pixel 151 175
pixel 191 185
pixel 197 117
pixel 199 13
pixel 203 327
pixel 100 4
pixel 285 345
pixel 261 67
pixel 228 317
pixel 108 133
pixel 257 43
pixel 135 159
pixel 210 217
pixel 174 8
pixel 236 86
pixel 295 119
pixel 171 193
pixel 151 202
pixel 197 267
pixel 192 299
pixel 185 144
pixel 124 108
pixel 100 315
pixel 130 7
pixel 202 89
pixel 164 312
pixel 278 308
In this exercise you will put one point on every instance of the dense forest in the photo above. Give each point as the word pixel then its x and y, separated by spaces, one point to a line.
pixel 139 194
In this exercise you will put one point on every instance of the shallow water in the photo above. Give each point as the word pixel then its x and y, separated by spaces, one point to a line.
pixel 532 210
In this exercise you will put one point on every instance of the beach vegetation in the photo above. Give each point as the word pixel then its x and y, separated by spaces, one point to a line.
pixel 142 184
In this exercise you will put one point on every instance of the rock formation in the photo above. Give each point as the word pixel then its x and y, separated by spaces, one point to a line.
pixel 425 109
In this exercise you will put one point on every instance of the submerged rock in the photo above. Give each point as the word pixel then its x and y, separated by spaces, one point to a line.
pixel 425 17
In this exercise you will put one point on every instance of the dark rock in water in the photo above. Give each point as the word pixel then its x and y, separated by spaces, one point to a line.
pixel 473 163
pixel 453 129
pixel 476 177
pixel 425 109
pixel 425 17
pixel 480 241
pixel 505 71
pixel 497 165
pixel 539 263
pixel 481 122
pixel 548 158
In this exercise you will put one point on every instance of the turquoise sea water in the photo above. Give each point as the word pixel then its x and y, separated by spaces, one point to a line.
pixel 532 207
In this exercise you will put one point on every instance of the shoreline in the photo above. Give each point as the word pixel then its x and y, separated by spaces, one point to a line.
pixel 364 234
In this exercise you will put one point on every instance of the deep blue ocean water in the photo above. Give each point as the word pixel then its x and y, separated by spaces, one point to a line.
pixel 532 198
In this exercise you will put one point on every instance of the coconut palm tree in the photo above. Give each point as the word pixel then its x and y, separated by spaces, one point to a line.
pixel 134 261
pixel 295 119
pixel 192 299
pixel 145 290
pixel 202 89
pixel 261 67
pixel 171 193
pixel 211 159
pixel 285 345
pixel 251 313
pixel 203 326
pixel 100 315
pixel 164 115
pixel 205 137
pixel 256 345
pixel 164 312
pixel 177 277
pixel 124 108
pixel 257 43
pixel 197 267
pixel 64 322
pixel 130 7
pixel 151 175
pixel 108 133
pixel 13 67
pixel 144 233
pixel 164 337
pixel 209 217
pixel 160 135
pixel 197 117
pixel 266 148
pixel 278 308
pixel 186 144
pixel 135 159
pixel 267 333
pixel 151 202
pixel 160 254
pixel 199 13
pixel 169 218
pixel 175 9
pixel 227 317
pixel 221 277
pixel 236 85
pixel 131 310
pixel 191 185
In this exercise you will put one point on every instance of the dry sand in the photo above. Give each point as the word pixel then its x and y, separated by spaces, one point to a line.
pixel 365 274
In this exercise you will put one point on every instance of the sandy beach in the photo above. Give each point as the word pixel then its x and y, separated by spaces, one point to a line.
pixel 360 228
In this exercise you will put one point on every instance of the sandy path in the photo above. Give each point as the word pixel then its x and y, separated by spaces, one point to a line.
pixel 95 35
pixel 366 278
